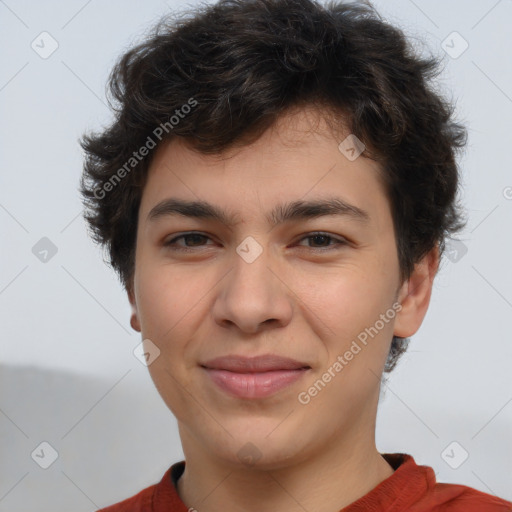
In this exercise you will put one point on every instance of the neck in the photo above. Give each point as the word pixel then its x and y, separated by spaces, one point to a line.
pixel 329 482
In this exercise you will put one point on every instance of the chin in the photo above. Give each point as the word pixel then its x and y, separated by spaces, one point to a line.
pixel 258 450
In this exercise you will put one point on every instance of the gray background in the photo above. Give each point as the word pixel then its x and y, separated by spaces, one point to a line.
pixel 68 375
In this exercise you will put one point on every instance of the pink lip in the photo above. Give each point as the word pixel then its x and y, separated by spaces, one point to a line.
pixel 254 377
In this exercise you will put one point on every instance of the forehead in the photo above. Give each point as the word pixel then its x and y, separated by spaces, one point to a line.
pixel 297 159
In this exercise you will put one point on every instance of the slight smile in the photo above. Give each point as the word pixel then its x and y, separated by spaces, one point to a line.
pixel 254 377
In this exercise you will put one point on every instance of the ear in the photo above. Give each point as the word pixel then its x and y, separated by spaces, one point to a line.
pixel 414 295
pixel 134 317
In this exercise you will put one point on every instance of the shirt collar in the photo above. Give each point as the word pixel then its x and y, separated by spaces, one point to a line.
pixel 396 493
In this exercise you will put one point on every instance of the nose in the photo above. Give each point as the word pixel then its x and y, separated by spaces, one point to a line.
pixel 252 297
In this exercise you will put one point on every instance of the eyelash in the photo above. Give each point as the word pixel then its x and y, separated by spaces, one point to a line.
pixel 171 244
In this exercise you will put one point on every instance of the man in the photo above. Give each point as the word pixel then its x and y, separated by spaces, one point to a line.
pixel 275 192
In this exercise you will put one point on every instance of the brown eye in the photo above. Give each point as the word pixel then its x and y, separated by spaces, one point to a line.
pixel 321 241
pixel 190 240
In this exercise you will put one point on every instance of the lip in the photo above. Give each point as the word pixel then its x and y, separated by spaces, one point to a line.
pixel 263 363
pixel 254 377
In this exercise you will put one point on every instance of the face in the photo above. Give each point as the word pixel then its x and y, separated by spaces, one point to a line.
pixel 261 273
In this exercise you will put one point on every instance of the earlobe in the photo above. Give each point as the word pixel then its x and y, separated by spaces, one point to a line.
pixel 414 295
pixel 134 321
pixel 134 317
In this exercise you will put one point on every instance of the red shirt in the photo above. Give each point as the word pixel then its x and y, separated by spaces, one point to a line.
pixel 411 488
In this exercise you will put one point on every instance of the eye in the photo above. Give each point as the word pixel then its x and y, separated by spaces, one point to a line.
pixel 323 240
pixel 196 240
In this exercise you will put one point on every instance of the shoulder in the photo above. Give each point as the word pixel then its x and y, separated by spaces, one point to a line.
pixel 160 497
pixel 460 498
pixel 417 490
pixel 138 503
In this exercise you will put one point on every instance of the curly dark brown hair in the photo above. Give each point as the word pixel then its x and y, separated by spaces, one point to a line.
pixel 219 75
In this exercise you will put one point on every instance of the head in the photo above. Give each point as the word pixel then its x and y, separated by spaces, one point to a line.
pixel 277 119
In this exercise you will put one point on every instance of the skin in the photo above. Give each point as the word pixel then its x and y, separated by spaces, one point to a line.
pixel 293 300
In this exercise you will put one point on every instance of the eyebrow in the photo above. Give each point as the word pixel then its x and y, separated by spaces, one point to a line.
pixel 282 213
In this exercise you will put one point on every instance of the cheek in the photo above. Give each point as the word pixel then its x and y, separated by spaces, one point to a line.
pixel 351 306
pixel 348 301
pixel 166 299
pixel 168 303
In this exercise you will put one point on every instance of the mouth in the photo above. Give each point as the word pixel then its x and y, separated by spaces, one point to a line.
pixel 254 377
